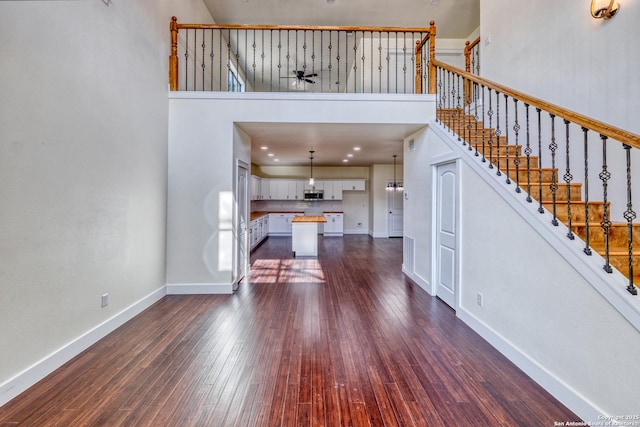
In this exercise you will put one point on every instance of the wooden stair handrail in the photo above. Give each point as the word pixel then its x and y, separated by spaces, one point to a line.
pixel 431 37
pixel 468 47
pixel 604 129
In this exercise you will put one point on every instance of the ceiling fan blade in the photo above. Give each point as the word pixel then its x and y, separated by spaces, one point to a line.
pixel 311 75
pixel 309 81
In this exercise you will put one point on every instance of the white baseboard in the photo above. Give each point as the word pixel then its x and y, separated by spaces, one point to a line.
pixel 25 379
pixel 356 231
pixel 379 235
pixel 424 284
pixel 569 397
pixel 199 288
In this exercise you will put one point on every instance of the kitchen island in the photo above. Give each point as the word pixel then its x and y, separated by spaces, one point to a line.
pixel 304 238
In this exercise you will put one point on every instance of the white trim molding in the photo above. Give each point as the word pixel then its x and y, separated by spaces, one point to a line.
pixel 199 288
pixel 25 379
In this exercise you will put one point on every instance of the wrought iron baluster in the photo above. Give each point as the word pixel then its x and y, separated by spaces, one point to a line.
pixel 288 57
pixel 490 142
pixel 554 173
pixel 195 59
pixel 568 178
pixel 587 248
pixel 355 62
pixel 456 98
pixel 440 94
pixel 516 130
pixel 379 62
pixel 506 139
pixel 279 59
pixel 605 175
pixel 388 66
pixel 186 60
pixel 476 119
pixel 363 59
pixel 527 152
pixel 304 54
pixel 220 32
pixel 253 65
pixel 313 54
pixel 228 58
pixel 204 45
pixel 329 66
pixel 237 64
pixel 468 118
pixel 404 61
pixel 322 62
pixel 498 133
pixel 270 60
pixel 211 55
pixel 629 215
pixel 484 157
pixel 338 82
pixel 262 56
pixel 540 208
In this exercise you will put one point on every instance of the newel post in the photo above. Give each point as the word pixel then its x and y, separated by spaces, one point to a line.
pixel 432 57
pixel 467 68
pixel 173 58
pixel 418 66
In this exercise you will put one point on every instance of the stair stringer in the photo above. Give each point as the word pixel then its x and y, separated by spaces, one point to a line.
pixel 583 400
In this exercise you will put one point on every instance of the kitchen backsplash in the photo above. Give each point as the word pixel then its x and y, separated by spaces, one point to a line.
pixel 295 205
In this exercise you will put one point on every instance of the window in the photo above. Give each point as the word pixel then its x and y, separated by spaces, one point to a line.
pixel 234 82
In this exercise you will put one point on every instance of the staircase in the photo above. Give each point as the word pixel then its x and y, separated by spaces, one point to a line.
pixel 568 199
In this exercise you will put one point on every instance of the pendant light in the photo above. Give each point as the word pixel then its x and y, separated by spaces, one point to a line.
pixel 312 182
pixel 395 185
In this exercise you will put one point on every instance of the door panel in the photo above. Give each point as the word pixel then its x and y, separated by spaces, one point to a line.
pixel 395 220
pixel 446 239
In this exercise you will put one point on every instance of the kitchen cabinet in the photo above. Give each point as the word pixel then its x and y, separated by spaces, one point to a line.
pixel 279 189
pixel 280 223
pixel 258 230
pixel 353 185
pixel 332 190
pixel 295 189
pixel 334 225
pixel 255 187
pixel 265 189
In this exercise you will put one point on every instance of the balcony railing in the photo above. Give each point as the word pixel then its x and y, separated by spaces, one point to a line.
pixel 579 169
pixel 320 59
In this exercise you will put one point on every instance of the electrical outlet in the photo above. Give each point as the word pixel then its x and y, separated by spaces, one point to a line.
pixel 359 225
pixel 105 300
pixel 479 299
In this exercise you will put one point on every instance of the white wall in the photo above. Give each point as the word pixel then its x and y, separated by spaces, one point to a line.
pixel 379 217
pixel 201 158
pixel 547 44
pixel 83 166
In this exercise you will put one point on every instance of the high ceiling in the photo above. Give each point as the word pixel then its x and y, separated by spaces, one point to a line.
pixel 290 143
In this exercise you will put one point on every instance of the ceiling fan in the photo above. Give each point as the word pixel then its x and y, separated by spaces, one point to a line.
pixel 301 76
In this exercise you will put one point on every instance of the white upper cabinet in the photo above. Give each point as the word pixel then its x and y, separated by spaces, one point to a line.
pixel 353 185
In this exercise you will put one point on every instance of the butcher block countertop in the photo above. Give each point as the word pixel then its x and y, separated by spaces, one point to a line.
pixel 308 218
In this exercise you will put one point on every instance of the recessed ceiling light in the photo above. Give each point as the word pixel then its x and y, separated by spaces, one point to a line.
pixel 264 147
pixel 349 155
pixel 356 148
pixel 276 160
pixel 345 160
pixel 270 154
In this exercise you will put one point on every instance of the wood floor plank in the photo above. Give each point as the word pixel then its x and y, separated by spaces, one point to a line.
pixel 342 340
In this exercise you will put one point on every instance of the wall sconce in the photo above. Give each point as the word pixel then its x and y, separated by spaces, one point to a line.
pixel 604 8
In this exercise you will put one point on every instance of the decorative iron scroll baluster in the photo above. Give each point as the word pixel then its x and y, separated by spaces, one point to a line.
pixel 498 132
pixel 587 248
pixel 313 53
pixel 186 61
pixel 554 173
pixel 568 178
pixel 468 118
pixel 516 161
pixel 629 215
pixel 506 134
pixel 484 157
pixel 338 82
pixel 371 49
pixel 476 119
pixel 279 60
pixel 456 98
pixel 440 94
pixel 329 67
pixel 540 208
pixel 262 56
pixel 605 175
pixel 322 63
pixel 202 65
pixel 395 68
pixel 253 65
pixel 237 64
pixel 490 142
pixel 379 62
pixel 211 55
pixel 288 58
pixel 195 59
pixel 388 66
pixel 527 152
pixel 355 62
pixel 404 67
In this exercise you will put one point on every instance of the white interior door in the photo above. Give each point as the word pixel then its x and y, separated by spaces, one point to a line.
pixel 242 244
pixel 395 205
pixel 446 225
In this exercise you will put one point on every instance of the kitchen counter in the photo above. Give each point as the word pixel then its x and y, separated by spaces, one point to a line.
pixel 308 218
pixel 304 237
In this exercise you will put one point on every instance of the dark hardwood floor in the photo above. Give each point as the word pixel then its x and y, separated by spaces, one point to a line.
pixel 344 339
